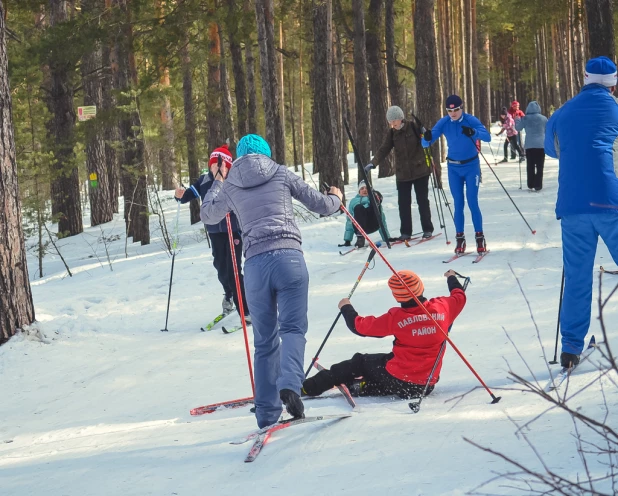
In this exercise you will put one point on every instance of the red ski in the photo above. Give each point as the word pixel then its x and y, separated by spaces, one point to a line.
pixel 480 256
pixel 341 387
pixel 424 240
pixel 202 410
pixel 456 256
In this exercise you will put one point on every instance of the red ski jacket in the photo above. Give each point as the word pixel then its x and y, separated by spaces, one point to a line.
pixel 417 339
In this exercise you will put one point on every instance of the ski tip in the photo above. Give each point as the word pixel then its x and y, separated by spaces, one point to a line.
pixel 593 341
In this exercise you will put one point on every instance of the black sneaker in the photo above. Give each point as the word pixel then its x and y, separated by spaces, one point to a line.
pixel 360 242
pixel 568 360
pixel 427 234
pixel 521 159
pixel 503 161
pixel 404 237
pixel 293 403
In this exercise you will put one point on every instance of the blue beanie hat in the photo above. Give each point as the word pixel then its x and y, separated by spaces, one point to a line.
pixel 252 143
pixel 453 101
pixel 600 70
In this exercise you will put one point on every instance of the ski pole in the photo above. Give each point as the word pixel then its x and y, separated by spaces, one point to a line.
pixel 372 199
pixel 317 355
pixel 174 245
pixel 441 190
pixel 533 231
pixel 437 200
pixel 519 169
pixel 494 398
pixel 415 407
pixel 241 304
pixel 555 360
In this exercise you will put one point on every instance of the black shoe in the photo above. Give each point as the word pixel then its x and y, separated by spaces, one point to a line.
pixel 521 159
pixel 360 242
pixel 404 237
pixel 293 403
pixel 481 246
pixel 356 389
pixel 504 160
pixel 568 360
pixel 461 243
pixel 427 234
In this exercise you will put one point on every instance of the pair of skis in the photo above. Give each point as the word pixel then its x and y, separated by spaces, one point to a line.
pixel 477 259
pixel 555 382
pixel 215 321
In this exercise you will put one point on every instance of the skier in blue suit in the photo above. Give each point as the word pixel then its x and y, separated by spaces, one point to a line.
pixel 582 134
pixel 461 131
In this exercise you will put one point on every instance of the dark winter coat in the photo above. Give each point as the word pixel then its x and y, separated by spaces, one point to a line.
pixel 198 190
pixel 410 163
pixel 260 193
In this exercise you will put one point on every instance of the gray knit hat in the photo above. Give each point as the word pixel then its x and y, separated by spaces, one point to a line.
pixel 394 113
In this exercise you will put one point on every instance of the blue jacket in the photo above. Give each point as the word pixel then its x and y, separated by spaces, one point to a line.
pixel 198 190
pixel 582 135
pixel 260 193
pixel 460 146
pixel 534 123
pixel 364 201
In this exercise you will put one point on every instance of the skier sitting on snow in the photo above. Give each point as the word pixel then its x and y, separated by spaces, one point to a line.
pixel 404 371
pixel 360 208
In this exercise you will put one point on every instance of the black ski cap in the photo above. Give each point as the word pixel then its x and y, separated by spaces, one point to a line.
pixel 453 101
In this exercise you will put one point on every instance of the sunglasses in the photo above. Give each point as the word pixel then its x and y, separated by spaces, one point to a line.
pixel 450 111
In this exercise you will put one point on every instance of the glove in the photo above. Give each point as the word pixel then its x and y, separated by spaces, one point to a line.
pixel 427 135
pixel 347 243
pixel 468 131
pixel 425 144
pixel 369 166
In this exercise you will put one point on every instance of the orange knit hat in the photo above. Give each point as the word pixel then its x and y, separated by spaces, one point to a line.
pixel 400 292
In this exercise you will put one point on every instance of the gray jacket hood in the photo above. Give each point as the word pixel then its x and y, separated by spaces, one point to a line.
pixel 252 170
pixel 533 108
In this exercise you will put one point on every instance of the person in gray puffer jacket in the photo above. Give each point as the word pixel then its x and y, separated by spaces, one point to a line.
pixel 260 191
pixel 534 123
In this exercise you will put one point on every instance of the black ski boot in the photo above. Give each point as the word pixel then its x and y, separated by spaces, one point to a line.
pixel 568 360
pixel 293 403
pixel 460 249
pixel 360 242
pixel 481 246
pixel 427 234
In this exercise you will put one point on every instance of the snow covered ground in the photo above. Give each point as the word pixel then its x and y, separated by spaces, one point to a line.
pixel 102 406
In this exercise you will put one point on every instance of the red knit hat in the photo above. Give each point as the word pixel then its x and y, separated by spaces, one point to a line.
pixel 413 282
pixel 223 152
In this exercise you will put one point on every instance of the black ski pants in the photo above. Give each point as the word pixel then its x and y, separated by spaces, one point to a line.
pixel 535 162
pixel 404 198
pixel 222 261
pixel 371 368
pixel 365 216
pixel 514 146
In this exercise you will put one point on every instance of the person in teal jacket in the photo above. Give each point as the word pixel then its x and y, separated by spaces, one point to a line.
pixel 360 208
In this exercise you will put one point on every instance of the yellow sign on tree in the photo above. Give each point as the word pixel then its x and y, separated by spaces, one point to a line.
pixel 94 180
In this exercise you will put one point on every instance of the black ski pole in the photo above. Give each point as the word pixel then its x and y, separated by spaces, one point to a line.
pixel 366 178
pixel 533 231
pixel 436 184
pixel 555 360
pixel 369 259
pixel 415 407
pixel 174 244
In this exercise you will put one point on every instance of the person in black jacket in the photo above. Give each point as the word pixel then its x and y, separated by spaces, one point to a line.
pixel 222 259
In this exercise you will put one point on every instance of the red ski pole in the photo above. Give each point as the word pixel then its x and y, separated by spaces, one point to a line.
pixel 241 306
pixel 494 398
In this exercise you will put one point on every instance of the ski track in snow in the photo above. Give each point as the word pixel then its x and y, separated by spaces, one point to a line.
pixel 103 409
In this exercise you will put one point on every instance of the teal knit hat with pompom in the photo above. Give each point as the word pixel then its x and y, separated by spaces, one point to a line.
pixel 252 143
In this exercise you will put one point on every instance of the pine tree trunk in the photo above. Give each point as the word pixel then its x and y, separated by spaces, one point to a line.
pixel 16 307
pixel 190 126
pixel 601 28
pixel 301 110
pixel 474 51
pixel 251 92
pixel 240 86
pixel 377 84
pixel 484 81
pixel 360 84
pixel 101 209
pixel 65 186
pixel 111 130
pixel 229 134
pixel 427 81
pixel 215 135
pixel 324 159
pixel 264 15
pixel 344 106
pixel 394 87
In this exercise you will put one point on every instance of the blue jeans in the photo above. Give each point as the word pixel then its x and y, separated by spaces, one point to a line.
pixel 579 246
pixel 277 287
pixel 470 175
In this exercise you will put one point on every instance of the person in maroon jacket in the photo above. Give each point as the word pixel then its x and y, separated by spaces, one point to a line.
pixel 404 371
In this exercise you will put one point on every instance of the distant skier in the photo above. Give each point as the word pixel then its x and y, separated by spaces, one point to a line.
pixel 464 167
pixel 361 210
pixel 260 193
pixel 516 113
pixel 582 135
pixel 534 123
pixel 405 371
pixel 404 136
pixel 221 254
pixel 508 126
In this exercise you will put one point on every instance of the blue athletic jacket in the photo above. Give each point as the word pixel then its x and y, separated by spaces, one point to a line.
pixel 460 146
pixel 583 134
pixel 198 190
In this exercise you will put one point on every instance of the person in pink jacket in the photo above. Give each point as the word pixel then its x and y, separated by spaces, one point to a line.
pixel 508 125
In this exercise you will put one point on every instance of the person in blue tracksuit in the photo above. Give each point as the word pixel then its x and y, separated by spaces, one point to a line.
pixel 583 135
pixel 464 168
pixel 361 210
pixel 221 253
